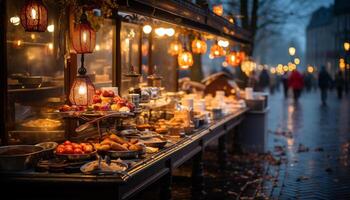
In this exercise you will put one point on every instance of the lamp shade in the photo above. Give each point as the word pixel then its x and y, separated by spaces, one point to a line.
pixel 82 91
pixel 175 48
pixel 231 58
pixel 185 59
pixel 217 51
pixel 83 37
pixel 34 16
pixel 199 46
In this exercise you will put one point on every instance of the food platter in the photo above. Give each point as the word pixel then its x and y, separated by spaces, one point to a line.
pixel 94 167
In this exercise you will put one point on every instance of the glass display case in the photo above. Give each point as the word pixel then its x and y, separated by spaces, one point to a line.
pixel 130 35
pixel 35 77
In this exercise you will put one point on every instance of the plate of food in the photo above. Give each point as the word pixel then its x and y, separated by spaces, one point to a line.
pixel 114 167
pixel 75 151
pixel 118 147
pixel 155 142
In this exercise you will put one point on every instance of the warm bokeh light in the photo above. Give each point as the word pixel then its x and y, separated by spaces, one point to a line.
pixel 147 29
pixel 169 32
pixel 51 28
pixel 291 51
pixel 97 47
pixel 175 48
pixel 310 69
pixel 185 59
pixel 218 9
pixel 346 46
pixel 273 70
pixel 199 46
pixel 285 68
pixel 223 43
pixel 297 61
pixel 160 31
pixel 231 58
pixel 15 20
pixel 217 51
pixel 50 45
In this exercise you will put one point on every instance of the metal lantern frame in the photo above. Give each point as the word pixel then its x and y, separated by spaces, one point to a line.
pixel 34 16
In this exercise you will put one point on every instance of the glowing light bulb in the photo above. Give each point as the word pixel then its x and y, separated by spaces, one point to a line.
pixel 82 90
pixel 19 42
pixel 147 29
pixel 97 47
pixel 51 28
pixel 160 32
pixel 50 45
pixel 170 32
pixel 33 14
pixel 84 37
pixel 15 20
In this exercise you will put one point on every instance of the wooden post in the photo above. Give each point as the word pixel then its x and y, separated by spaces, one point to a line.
pixel 3 74
pixel 198 177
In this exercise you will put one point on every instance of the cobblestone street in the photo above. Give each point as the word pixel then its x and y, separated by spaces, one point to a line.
pixel 315 140
pixel 308 159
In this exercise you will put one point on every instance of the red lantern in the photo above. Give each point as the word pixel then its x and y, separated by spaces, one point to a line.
pixel 217 51
pixel 83 36
pixel 82 91
pixel 175 48
pixel 83 41
pixel 231 58
pixel 185 59
pixel 34 16
pixel 199 46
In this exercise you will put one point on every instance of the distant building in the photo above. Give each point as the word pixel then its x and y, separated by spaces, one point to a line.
pixel 327 31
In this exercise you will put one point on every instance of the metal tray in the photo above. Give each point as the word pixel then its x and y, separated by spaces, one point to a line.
pixel 77 157
pixel 125 154
pixel 99 171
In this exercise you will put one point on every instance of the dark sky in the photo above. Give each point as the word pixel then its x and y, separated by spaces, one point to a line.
pixel 274 50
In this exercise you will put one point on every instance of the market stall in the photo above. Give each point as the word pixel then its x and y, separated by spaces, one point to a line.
pixel 94 104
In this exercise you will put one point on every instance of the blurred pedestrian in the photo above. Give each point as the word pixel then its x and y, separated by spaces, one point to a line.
pixel 296 82
pixel 308 81
pixel 285 84
pixel 264 79
pixel 253 81
pixel 324 83
pixel 339 83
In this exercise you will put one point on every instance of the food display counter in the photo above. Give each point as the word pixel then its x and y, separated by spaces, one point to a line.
pixel 102 98
pixel 141 173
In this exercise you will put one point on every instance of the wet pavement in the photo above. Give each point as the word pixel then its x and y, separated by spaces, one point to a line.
pixel 307 156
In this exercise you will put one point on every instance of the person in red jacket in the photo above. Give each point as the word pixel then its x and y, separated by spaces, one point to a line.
pixel 296 82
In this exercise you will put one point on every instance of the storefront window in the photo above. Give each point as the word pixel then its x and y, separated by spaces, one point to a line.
pixel 35 77
pixel 130 53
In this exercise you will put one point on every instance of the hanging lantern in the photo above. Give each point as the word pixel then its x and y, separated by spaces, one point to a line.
pixel 175 48
pixel 217 51
pixel 34 16
pixel 83 36
pixel 83 41
pixel 185 59
pixel 231 58
pixel 199 46
pixel 240 57
pixel 82 91
pixel 218 9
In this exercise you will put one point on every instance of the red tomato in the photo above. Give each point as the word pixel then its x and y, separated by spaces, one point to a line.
pixel 61 146
pixel 98 92
pixel 60 150
pixel 68 149
pixel 88 149
pixel 75 145
pixel 67 142
pixel 78 151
